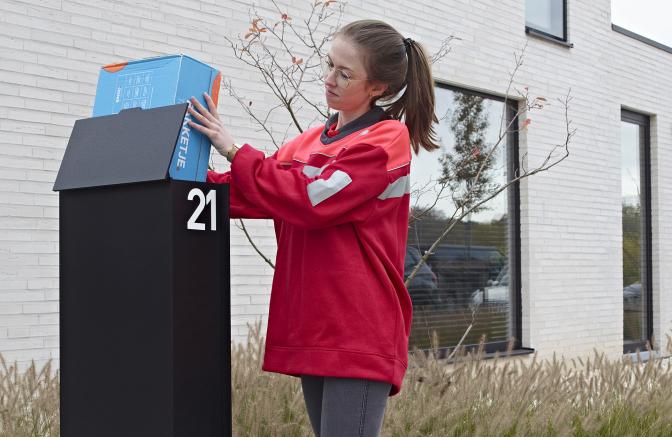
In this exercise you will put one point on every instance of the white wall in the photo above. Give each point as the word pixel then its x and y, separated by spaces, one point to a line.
pixel 51 50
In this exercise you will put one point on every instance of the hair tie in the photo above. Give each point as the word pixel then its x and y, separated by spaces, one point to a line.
pixel 408 42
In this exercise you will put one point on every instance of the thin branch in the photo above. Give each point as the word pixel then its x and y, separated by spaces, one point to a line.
pixel 443 50
pixel 512 75
pixel 459 343
pixel 246 107
pixel 281 79
pixel 249 238
pixel 416 217
pixel 266 75
pixel 296 84
pixel 452 222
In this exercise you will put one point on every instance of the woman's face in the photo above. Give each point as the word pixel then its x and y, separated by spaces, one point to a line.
pixel 346 87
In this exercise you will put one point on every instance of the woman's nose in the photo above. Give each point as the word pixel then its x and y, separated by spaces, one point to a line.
pixel 330 77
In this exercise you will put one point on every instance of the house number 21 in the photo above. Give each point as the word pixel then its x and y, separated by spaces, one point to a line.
pixel 203 200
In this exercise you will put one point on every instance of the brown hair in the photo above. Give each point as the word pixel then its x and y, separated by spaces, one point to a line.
pixel 397 62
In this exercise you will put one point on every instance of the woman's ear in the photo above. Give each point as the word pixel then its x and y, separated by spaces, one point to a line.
pixel 377 90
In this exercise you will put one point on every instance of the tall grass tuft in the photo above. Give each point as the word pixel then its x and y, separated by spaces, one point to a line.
pixel 264 404
pixel 505 396
pixel 29 401
pixel 511 396
pixel 528 397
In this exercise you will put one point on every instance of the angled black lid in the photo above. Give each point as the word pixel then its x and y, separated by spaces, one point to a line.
pixel 135 145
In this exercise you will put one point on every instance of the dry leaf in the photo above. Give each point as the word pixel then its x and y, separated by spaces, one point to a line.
pixel 255 26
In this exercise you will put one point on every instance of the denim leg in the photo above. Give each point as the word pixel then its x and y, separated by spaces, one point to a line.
pixel 353 407
pixel 312 394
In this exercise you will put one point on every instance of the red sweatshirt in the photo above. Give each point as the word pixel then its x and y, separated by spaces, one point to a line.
pixel 340 204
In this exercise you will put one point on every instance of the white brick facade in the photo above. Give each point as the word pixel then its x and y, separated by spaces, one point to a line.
pixel 51 50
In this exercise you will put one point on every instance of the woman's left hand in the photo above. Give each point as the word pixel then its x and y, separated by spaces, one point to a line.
pixel 210 124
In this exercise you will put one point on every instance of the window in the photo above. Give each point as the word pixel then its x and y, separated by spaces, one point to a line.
pixel 474 274
pixel 547 17
pixel 636 220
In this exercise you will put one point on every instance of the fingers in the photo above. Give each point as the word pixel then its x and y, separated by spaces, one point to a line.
pixel 211 105
pixel 209 122
pixel 204 112
pixel 199 117
pixel 202 129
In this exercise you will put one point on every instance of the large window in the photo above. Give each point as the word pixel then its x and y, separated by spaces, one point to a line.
pixel 548 17
pixel 473 275
pixel 636 220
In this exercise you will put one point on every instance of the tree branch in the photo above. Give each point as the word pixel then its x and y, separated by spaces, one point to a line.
pixel 545 166
pixel 249 238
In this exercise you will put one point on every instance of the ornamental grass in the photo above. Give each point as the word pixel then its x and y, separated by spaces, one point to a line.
pixel 503 396
pixel 472 396
pixel 28 401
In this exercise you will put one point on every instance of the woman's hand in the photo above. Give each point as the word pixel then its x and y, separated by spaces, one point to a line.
pixel 210 124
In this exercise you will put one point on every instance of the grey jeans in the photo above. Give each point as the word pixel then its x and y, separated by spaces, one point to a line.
pixel 345 407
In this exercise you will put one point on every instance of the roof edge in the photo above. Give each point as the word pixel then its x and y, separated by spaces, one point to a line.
pixel 645 40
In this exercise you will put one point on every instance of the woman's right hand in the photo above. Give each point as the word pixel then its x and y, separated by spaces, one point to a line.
pixel 210 125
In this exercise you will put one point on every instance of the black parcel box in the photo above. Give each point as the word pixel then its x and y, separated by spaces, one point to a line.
pixel 144 284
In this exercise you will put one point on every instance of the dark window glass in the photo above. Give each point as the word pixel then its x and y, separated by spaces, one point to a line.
pixel 468 278
pixel 636 228
pixel 547 16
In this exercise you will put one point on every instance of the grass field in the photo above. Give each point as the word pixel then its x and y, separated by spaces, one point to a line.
pixel 474 397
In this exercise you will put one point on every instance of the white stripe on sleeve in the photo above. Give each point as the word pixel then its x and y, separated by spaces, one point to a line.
pixel 322 189
pixel 397 188
pixel 312 171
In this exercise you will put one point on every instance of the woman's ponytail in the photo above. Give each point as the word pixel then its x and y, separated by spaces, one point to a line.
pixel 417 102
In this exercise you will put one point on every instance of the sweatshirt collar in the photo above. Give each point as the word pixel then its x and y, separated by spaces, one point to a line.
pixel 371 117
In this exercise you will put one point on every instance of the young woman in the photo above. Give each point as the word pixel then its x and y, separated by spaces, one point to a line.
pixel 340 314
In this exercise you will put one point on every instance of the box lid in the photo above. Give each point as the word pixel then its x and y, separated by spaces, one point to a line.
pixel 118 66
pixel 135 145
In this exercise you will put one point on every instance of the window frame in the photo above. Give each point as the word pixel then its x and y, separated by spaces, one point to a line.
pixel 515 314
pixel 538 32
pixel 644 122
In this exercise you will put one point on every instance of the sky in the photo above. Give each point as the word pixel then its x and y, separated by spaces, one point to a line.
pixel 649 18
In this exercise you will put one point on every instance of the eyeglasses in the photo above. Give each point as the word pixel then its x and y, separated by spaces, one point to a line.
pixel 343 79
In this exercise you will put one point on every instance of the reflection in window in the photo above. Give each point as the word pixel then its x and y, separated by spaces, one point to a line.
pixel 547 16
pixel 634 221
pixel 467 278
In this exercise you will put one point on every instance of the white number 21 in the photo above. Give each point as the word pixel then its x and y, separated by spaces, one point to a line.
pixel 203 200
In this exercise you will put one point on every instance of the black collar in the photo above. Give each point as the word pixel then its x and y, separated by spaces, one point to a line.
pixel 373 116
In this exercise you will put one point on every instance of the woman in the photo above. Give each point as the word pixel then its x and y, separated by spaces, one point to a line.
pixel 340 314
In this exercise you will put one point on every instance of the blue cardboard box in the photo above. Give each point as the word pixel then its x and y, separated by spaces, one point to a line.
pixel 162 81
